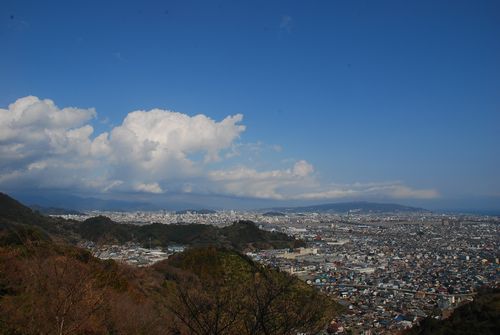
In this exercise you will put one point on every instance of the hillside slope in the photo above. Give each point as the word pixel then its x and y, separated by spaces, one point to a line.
pixel 241 235
pixel 481 317
pixel 49 288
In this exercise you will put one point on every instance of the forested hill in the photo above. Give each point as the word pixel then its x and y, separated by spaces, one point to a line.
pixel 242 235
pixel 48 286
pixel 55 288
pixel 12 210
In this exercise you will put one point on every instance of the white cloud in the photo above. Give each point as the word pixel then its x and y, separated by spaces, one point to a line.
pixel 150 148
pixel 273 184
pixel 148 188
pixel 31 128
pixel 156 151
pixel 394 190
pixel 299 183
pixel 158 146
pixel 42 145
pixel 160 131
pixel 302 168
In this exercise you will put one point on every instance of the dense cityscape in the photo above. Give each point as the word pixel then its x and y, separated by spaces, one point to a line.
pixel 388 270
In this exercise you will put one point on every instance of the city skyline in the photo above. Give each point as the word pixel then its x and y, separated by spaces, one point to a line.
pixel 239 104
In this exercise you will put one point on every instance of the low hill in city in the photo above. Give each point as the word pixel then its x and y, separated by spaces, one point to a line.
pixel 361 207
pixel 241 235
pixel 246 233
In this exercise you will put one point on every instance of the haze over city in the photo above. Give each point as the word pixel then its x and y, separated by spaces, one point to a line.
pixel 252 104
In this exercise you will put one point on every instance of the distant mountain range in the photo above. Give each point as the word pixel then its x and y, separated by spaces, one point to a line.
pixel 77 203
pixel 55 210
pixel 53 205
pixel 85 204
pixel 361 207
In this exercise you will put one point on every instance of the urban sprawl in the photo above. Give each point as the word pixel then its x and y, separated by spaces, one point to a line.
pixel 388 270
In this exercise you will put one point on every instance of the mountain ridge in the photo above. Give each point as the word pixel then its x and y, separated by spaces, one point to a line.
pixel 241 235
pixel 346 207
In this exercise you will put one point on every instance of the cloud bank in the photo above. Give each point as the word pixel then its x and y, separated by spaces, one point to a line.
pixel 158 151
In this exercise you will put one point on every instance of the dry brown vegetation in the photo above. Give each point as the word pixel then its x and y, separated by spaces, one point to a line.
pixel 47 288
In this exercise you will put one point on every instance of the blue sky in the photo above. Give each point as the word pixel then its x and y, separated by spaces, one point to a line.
pixel 376 100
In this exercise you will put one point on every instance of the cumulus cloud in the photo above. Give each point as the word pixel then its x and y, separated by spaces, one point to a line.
pixel 163 131
pixel 41 144
pixel 157 146
pixel 155 151
pixel 273 184
pixel 150 148
pixel 31 123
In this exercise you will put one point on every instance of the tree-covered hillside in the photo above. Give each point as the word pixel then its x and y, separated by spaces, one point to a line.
pixel 49 288
pixel 241 235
